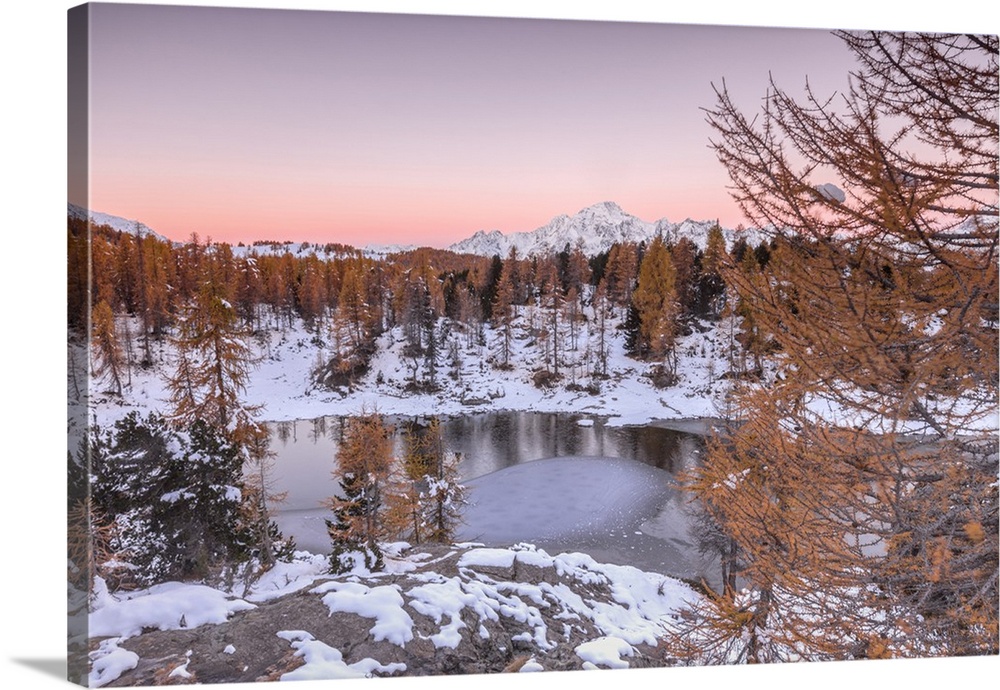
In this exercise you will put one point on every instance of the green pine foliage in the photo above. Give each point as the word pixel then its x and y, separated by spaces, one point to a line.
pixel 174 496
pixel 348 544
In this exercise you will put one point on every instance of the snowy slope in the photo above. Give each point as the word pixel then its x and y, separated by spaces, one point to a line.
pixel 114 222
pixel 282 382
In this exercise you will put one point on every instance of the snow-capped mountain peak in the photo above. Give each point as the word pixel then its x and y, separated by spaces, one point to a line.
pixel 595 229
pixel 605 210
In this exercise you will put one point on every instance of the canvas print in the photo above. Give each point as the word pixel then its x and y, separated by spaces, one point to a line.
pixel 406 345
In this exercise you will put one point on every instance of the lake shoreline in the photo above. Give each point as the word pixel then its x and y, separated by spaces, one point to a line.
pixel 282 384
pixel 697 425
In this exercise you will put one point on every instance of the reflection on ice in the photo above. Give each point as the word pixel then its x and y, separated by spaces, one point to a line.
pixel 619 511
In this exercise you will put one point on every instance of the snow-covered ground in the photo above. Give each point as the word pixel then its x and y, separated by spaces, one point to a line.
pixel 283 382
pixel 604 630
pixel 283 385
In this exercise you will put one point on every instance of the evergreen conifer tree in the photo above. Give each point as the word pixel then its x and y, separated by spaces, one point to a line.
pixel 174 496
pixel 364 467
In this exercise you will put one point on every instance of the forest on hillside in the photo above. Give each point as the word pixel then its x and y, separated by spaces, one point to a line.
pixel 346 300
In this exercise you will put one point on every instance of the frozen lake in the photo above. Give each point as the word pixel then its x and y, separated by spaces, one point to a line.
pixel 563 482
pixel 618 511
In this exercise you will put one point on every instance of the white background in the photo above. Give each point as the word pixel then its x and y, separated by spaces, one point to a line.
pixel 32 368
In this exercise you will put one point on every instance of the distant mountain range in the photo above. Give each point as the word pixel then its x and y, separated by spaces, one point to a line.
pixel 595 229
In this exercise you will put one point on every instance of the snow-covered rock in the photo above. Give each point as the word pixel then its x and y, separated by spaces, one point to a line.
pixel 435 610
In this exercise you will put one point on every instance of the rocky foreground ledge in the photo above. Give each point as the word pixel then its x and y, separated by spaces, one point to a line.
pixel 463 609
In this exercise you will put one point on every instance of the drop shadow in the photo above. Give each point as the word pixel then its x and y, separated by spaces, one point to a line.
pixel 50 667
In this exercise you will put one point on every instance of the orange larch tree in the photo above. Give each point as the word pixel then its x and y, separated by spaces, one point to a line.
pixel 859 477
pixel 365 464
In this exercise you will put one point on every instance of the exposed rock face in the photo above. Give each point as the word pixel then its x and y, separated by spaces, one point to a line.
pixel 460 610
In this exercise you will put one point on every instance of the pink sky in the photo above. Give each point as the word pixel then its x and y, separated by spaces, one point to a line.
pixel 324 126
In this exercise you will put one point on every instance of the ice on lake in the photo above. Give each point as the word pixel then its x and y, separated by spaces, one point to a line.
pixel 616 510
pixel 562 498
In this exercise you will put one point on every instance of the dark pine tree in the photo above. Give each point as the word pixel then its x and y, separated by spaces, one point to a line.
pixel 359 499
pixel 175 496
pixel 489 293
pixel 633 328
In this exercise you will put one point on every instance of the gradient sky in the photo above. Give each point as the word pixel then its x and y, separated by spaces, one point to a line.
pixel 244 124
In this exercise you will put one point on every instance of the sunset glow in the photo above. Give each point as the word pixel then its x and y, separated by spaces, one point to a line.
pixel 337 127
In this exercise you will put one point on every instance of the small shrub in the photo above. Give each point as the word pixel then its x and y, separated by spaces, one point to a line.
pixel 662 377
pixel 545 379
pixel 593 388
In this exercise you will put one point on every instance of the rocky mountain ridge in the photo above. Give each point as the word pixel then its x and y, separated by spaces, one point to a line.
pixel 594 229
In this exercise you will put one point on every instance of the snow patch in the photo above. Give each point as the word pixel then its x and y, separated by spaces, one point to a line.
pixel 382 603
pixel 109 661
pixel 323 662
pixel 181 671
pixel 605 651
pixel 170 606
pixel 285 578
pixel 531 666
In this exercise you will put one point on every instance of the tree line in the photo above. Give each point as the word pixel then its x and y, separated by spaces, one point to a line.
pixel 441 300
